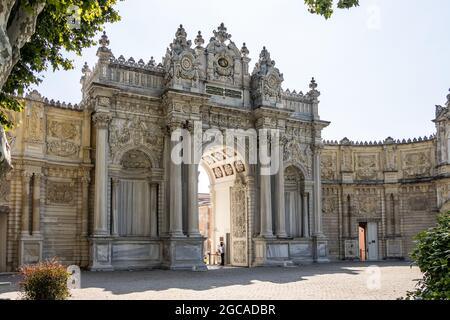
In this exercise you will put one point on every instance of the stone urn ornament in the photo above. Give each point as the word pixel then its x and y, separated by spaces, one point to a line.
pixel 5 154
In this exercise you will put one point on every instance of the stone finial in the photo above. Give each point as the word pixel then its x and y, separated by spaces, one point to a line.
pixel 85 69
pixel 345 141
pixel 244 50
pixel 103 52
pixel 180 42
pixel 313 93
pixel 151 63
pixel 221 34
pixel 313 84
pixel 448 99
pixel 389 140
pixel 264 56
pixel 104 41
pixel 141 63
pixel 199 41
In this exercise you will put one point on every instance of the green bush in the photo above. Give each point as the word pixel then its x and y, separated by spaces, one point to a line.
pixel 432 255
pixel 45 281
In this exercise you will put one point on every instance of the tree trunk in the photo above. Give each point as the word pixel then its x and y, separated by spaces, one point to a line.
pixel 13 36
pixel 5 155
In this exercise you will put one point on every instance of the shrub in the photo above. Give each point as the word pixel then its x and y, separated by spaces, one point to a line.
pixel 432 255
pixel 45 281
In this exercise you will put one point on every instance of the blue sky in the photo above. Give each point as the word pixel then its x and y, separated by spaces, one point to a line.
pixel 381 67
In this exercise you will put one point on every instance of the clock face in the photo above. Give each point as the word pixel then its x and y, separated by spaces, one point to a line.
pixel 223 62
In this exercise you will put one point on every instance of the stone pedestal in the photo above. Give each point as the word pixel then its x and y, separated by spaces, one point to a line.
pixel 394 248
pixel 101 257
pixel 30 249
pixel 183 253
pixel 320 249
pixel 271 252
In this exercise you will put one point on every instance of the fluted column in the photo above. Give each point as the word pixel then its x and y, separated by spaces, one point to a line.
pixel 101 121
pixel 193 218
pixel 266 206
pixel 317 192
pixel 37 204
pixel 279 195
pixel 115 206
pixel 25 221
pixel 176 218
pixel 85 180
pixel 153 209
pixel 305 216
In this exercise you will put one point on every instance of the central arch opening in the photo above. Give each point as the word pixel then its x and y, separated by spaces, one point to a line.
pixel 223 213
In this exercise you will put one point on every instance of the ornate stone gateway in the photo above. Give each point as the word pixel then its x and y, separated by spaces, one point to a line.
pixel 95 184
pixel 239 225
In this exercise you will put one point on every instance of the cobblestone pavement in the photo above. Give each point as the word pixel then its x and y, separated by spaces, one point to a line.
pixel 341 280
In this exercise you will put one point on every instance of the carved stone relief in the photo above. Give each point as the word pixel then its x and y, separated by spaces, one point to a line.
pixel 327 167
pixel 299 154
pixel 63 138
pixel 415 164
pixel 60 193
pixel 366 167
pixel 4 191
pixel 135 159
pixel 239 224
pixel 135 133
pixel 418 202
pixel 35 124
pixel 329 204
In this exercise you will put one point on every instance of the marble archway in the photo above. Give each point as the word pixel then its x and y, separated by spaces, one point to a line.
pixel 227 173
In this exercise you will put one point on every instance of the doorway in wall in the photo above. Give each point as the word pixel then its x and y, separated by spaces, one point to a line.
pixel 223 215
pixel 362 240
pixel 368 241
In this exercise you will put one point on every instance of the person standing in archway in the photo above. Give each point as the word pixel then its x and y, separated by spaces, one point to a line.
pixel 222 253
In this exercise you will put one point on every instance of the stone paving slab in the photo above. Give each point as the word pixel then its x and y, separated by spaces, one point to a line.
pixel 343 280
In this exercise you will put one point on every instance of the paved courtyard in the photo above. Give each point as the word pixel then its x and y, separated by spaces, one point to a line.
pixel 344 280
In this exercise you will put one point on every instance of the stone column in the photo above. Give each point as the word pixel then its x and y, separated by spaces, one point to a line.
pixel 36 204
pixel 317 193
pixel 115 206
pixel 176 219
pixel 85 179
pixel 305 216
pixel 279 195
pixel 266 206
pixel 25 221
pixel 153 209
pixel 101 121
pixel 193 214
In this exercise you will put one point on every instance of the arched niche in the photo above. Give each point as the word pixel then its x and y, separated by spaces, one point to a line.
pixel 134 196
pixel 296 202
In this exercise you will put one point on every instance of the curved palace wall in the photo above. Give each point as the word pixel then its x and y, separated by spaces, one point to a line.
pixel 393 184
